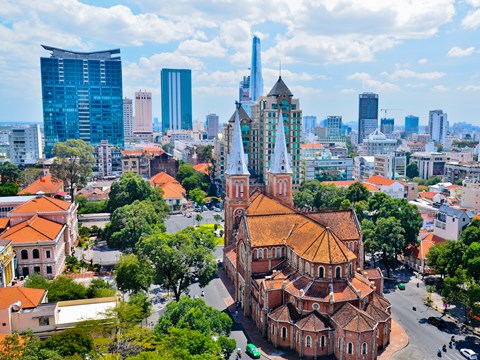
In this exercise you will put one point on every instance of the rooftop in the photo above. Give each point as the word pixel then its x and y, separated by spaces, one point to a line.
pixel 280 88
pixel 450 211
pixel 94 55
pixel 29 298
pixel 33 230
pixel 42 204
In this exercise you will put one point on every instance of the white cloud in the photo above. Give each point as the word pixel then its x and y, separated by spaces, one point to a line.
pixel 469 88
pixel 409 74
pixel 459 52
pixel 474 3
pixel 347 91
pixel 472 20
pixel 440 89
pixel 369 84
pixel 415 85
pixel 301 91
pixel 202 49
pixel 359 76
pixel 423 61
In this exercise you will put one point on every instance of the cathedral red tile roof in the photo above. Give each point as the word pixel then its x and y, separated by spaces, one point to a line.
pixel 377 313
pixel 342 223
pixel 351 318
pixel 381 302
pixel 313 322
pixel 285 313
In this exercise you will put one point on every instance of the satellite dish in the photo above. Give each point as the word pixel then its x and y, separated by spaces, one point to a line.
pixel 16 306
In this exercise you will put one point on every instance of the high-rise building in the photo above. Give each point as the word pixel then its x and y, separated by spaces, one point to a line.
pixel 256 79
pixel 387 125
pixel 334 126
pixel 25 145
pixel 176 87
pixel 411 125
pixel 143 112
pixel 244 90
pixel 437 125
pixel 367 115
pixel 212 125
pixel 309 123
pixel 157 125
pixel 128 118
pixel 82 97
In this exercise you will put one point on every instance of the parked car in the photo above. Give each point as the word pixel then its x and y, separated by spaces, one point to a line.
pixel 469 354
pixel 440 323
pixel 401 286
pixel 253 351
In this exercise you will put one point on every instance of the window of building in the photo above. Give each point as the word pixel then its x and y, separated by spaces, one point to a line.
pixel 364 348
pixel 36 269
pixel 307 268
pixel 322 341
pixel 338 272
pixel 273 329
pixel 279 252
pixel 350 348
pixel 49 269
pixel 36 254
pixel 43 321
pixel 24 255
pixel 308 341
pixel 25 271
pixel 321 272
pixel 48 254
pixel 315 306
pixel 260 253
pixel 284 332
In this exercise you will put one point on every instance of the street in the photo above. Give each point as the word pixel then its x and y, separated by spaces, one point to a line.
pixel 178 222
pixel 424 339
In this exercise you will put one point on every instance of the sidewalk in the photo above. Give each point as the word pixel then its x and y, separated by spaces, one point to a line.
pixel 398 341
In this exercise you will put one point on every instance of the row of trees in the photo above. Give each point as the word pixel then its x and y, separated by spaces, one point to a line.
pixel 458 262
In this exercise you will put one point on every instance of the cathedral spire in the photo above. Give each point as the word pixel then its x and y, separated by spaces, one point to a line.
pixel 280 162
pixel 237 160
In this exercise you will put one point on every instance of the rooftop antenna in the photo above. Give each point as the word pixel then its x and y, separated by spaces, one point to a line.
pixel 280 69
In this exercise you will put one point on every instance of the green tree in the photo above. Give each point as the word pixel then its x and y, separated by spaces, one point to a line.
pixel 9 189
pixel 32 174
pixel 198 219
pixel 73 163
pixel 438 258
pixel 412 170
pixel 357 192
pixel 472 233
pixel 361 210
pixel 184 171
pixel 328 197
pixel 100 288
pixel 130 223
pixel 10 173
pixel 129 188
pixel 133 275
pixel 65 288
pixel 198 196
pixel 204 153
pixel 178 258
pixel 36 281
pixel 345 204
pixel 69 343
pixel 218 218
pixel 471 260
pixel 143 302
pixel 304 199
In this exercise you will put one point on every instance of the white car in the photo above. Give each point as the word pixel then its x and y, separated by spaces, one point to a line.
pixel 469 354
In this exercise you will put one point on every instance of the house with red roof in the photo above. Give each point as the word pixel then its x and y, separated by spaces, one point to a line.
pixel 173 192
pixel 46 185
pixel 416 255
pixel 392 188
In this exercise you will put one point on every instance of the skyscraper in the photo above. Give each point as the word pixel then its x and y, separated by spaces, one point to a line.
pixel 212 126
pixel 176 88
pixel 387 125
pixel 411 125
pixel 437 125
pixel 334 126
pixel 256 79
pixel 127 118
pixel 26 145
pixel 367 115
pixel 82 97
pixel 244 90
pixel 143 112
pixel 309 123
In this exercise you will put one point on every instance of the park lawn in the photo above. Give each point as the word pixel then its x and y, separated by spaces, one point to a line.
pixel 211 227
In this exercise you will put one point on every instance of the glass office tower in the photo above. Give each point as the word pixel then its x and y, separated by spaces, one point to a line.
pixel 411 125
pixel 367 115
pixel 176 87
pixel 82 97
pixel 256 79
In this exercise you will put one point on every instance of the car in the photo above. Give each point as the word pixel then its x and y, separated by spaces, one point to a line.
pixel 440 323
pixel 401 286
pixel 469 354
pixel 253 351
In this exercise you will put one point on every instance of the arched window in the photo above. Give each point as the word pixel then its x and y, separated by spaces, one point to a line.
pixel 322 341
pixel 300 265
pixel 279 252
pixel 280 188
pixel 237 192
pixel 266 253
pixel 36 254
pixel 364 348
pixel 308 341
pixel 307 268
pixel 273 329
pixel 338 272
pixel 24 254
pixel 349 268
pixel 284 332
pixel 260 253
pixel 350 348
pixel 321 272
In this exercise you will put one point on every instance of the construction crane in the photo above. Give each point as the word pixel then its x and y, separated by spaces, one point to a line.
pixel 386 110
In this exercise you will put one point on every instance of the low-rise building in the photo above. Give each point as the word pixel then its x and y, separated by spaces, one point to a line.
pixel 8 203
pixel 46 185
pixel 415 146
pixel 391 166
pixel 327 169
pixel 416 255
pixel 430 164
pixel 148 161
pixel 173 192
pixel 471 194
pixel 450 222
pixel 455 170
pixel 392 188
pixel 363 167
pixel 108 160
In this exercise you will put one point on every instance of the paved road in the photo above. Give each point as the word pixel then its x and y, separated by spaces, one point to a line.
pixel 424 339
pixel 178 222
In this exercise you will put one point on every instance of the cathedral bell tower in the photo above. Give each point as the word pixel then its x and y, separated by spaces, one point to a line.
pixel 237 184
pixel 279 175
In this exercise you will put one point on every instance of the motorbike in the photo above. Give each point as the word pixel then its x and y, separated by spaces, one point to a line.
pixel 439 352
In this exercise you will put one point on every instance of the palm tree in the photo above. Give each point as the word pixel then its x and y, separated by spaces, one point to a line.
pixel 198 218
pixel 217 218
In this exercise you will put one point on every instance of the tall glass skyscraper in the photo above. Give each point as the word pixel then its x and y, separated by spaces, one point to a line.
pixel 411 125
pixel 82 97
pixel 256 79
pixel 367 115
pixel 176 87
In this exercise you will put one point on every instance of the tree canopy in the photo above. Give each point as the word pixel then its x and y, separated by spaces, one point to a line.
pixel 179 258
pixel 10 173
pixel 73 163
pixel 412 170
pixel 129 188
pixel 133 275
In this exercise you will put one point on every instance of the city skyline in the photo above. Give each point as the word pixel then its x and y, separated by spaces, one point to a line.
pixel 417 58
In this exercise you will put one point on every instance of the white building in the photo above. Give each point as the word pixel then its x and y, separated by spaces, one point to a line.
pixel 430 164
pixel 104 158
pixel 377 143
pixel 391 166
pixel 437 125
pixel 363 167
pixel 127 118
pixel 450 222
pixel 26 145
pixel 334 126
pixel 4 134
pixel 471 195
pixel 392 188
pixel 143 112
pixel 212 125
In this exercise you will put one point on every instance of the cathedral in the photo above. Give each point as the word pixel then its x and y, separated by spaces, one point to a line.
pixel 299 276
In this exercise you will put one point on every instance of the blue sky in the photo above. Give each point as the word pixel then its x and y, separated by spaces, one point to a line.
pixel 418 55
